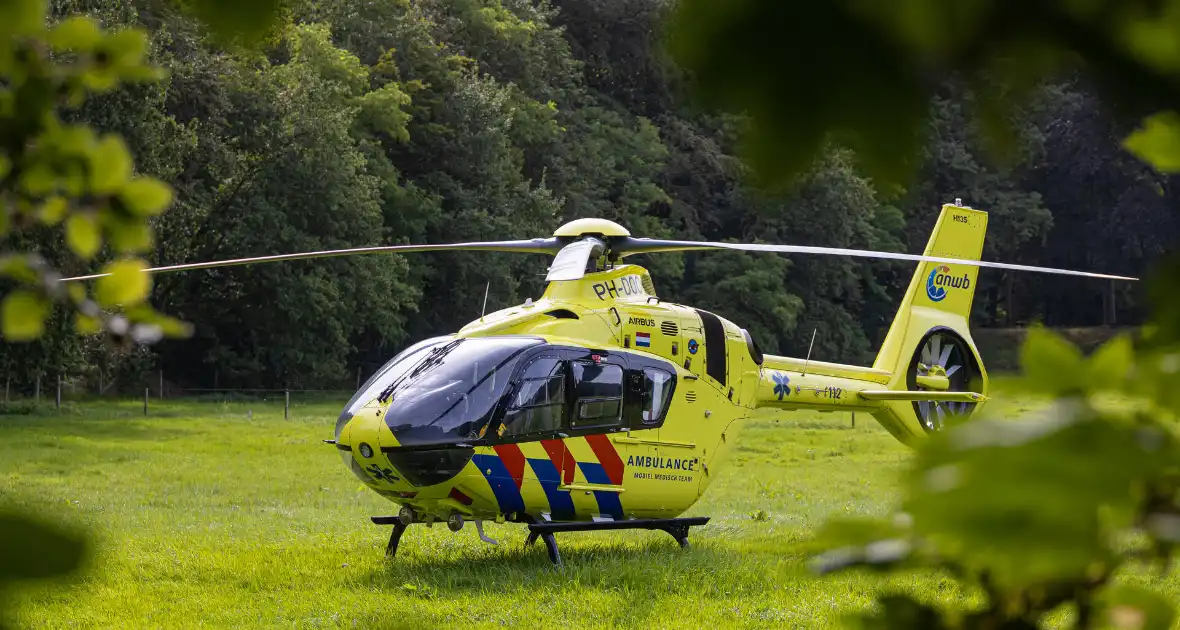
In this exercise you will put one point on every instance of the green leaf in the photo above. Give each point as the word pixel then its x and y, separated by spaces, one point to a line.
pixel 52 211
pixel 1031 498
pixel 757 58
pixel 17 267
pixel 21 17
pixel 79 33
pixel 1110 365
pixel 86 325
pixel 127 284
pixel 22 315
pixel 110 165
pixel 33 548
pixel 899 611
pixel 38 179
pixel 1157 142
pixel 1051 364
pixel 82 235
pixel 1127 607
pixel 129 236
pixel 233 19
pixel 146 196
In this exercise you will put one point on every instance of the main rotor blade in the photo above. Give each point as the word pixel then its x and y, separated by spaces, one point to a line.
pixel 534 246
pixel 633 246
pixel 570 263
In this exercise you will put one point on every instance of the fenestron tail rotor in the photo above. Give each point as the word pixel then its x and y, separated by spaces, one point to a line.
pixel 943 361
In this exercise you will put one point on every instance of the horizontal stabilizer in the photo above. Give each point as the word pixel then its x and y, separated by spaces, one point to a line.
pixel 890 394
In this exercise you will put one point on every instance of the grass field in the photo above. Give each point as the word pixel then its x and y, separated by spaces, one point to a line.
pixel 205 517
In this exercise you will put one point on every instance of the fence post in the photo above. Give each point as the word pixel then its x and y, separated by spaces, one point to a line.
pixel 7 384
pixel 57 400
pixel 854 419
pixel 161 383
pixel 358 377
pixel 286 404
pixel 145 399
pixel 37 390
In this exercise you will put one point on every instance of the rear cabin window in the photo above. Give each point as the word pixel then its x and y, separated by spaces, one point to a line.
pixel 657 390
pixel 539 403
pixel 598 392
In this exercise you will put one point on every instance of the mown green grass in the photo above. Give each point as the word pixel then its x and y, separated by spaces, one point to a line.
pixel 204 517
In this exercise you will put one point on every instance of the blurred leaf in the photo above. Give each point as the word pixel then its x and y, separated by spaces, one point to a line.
pixel 1111 364
pixel 235 19
pixel 127 285
pixel 86 325
pixel 110 165
pixel 19 17
pixel 1051 364
pixel 1022 497
pixel 146 196
pixel 1127 607
pixel 17 267
pixel 759 58
pixel 126 47
pixel 129 236
pixel 899 611
pixel 79 33
pixel 32 548
pixel 1157 142
pixel 82 235
pixel 53 210
pixel 38 179
pixel 1165 302
pixel 22 315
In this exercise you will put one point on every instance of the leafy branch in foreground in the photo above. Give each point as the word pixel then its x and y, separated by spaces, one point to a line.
pixel 55 174
pixel 1041 511
pixel 64 176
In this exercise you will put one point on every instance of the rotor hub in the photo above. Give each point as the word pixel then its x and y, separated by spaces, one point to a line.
pixel 591 226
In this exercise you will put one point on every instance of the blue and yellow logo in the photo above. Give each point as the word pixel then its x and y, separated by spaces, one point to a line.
pixel 940 281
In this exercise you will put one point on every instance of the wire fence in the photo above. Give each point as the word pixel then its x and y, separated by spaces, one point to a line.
pixel 56 391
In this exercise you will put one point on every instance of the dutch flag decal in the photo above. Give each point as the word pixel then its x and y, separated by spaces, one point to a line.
pixel 642 340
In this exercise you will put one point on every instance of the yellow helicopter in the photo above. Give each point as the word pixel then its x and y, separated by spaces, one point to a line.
pixel 600 406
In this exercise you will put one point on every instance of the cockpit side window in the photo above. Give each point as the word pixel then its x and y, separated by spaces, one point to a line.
pixel 598 394
pixel 539 403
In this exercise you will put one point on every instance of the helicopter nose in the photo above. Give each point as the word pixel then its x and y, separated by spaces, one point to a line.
pixel 341 422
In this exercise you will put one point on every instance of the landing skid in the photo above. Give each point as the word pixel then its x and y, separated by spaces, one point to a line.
pixel 676 527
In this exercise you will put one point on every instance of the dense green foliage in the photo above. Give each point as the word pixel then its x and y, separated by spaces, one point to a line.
pixel 441 121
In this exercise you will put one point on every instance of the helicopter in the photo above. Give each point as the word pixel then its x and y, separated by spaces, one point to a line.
pixel 600 406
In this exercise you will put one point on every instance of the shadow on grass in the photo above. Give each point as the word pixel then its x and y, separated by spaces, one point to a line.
pixel 612 562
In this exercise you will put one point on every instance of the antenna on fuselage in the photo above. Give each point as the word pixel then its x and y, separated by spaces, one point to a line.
pixel 805 361
pixel 485 300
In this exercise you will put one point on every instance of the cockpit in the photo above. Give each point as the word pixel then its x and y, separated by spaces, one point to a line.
pixel 488 390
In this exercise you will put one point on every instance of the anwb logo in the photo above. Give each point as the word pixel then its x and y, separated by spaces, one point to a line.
pixel 940 280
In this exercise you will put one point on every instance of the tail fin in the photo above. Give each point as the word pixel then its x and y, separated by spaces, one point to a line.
pixel 930 336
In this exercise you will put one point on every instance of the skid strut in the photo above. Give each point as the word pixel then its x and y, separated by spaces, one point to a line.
pixel 399 528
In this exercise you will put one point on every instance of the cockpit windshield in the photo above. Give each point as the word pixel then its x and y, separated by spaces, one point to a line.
pixel 448 391
pixel 390 372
